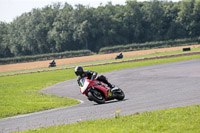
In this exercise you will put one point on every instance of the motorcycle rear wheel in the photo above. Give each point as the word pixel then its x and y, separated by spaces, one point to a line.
pixel 96 96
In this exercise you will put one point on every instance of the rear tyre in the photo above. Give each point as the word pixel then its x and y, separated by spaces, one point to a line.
pixel 96 96
pixel 120 95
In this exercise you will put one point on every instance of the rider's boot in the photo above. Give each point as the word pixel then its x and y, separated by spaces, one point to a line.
pixel 111 86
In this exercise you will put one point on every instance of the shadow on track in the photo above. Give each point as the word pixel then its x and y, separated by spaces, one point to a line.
pixel 110 102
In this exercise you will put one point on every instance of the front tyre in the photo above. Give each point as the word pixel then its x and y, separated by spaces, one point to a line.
pixel 96 96
pixel 120 95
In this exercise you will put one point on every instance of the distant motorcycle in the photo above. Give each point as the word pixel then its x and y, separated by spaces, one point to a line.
pixel 120 56
pixel 97 91
pixel 52 64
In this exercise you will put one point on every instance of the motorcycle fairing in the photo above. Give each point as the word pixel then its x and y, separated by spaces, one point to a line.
pixel 103 89
pixel 83 84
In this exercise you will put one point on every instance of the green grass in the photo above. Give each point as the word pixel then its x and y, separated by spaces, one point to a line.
pixel 176 120
pixel 19 94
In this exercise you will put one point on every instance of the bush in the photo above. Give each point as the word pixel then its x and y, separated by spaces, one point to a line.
pixel 149 45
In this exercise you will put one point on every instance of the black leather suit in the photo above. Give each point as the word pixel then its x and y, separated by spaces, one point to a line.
pixel 92 75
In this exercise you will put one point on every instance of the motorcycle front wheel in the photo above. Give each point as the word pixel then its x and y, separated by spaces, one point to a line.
pixel 120 95
pixel 96 96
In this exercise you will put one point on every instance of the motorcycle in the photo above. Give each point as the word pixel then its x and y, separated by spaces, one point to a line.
pixel 98 92
pixel 52 64
pixel 120 56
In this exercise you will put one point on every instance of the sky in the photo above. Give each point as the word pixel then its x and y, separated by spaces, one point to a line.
pixel 10 9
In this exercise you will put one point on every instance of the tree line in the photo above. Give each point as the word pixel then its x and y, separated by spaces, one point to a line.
pixel 62 27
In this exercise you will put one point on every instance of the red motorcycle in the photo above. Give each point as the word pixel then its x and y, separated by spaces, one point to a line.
pixel 98 92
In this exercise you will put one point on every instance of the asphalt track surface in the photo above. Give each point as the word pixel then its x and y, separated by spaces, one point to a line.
pixel 146 88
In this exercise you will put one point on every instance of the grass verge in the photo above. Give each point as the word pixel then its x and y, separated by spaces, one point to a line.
pixel 19 94
pixel 176 120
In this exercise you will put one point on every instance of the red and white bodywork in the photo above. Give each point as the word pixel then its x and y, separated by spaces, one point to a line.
pixel 97 91
pixel 86 84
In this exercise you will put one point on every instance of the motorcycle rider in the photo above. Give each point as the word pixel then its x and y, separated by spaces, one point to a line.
pixel 52 63
pixel 91 75
pixel 120 56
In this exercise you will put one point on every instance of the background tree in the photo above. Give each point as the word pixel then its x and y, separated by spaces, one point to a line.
pixel 185 15
pixel 60 37
pixel 173 28
pixel 4 47
pixel 195 20
pixel 61 27
pixel 134 21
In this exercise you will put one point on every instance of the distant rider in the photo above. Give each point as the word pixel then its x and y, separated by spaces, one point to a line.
pixel 120 56
pixel 90 75
pixel 52 63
